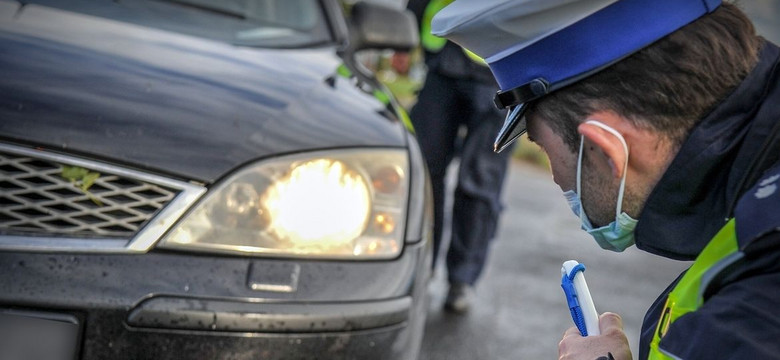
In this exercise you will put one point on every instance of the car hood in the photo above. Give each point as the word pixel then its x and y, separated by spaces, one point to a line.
pixel 171 103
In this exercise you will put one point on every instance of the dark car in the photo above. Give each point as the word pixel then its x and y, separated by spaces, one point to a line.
pixel 205 179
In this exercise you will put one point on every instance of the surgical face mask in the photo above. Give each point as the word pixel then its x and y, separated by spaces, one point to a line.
pixel 619 234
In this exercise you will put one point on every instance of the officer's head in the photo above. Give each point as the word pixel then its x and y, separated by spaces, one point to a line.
pixel 665 87
pixel 648 69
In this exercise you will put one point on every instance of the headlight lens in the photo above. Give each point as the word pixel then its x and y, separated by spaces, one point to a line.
pixel 340 204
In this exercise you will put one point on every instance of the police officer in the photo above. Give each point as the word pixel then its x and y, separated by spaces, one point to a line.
pixel 455 97
pixel 661 120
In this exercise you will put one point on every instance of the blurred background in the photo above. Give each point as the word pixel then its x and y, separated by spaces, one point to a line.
pixel 764 13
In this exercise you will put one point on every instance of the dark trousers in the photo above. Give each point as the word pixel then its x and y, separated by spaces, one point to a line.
pixel 444 105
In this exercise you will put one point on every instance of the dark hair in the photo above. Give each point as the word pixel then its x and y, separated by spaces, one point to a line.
pixel 666 87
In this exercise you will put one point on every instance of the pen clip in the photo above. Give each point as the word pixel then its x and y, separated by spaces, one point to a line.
pixel 567 283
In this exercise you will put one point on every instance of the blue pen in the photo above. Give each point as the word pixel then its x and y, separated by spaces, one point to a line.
pixel 583 312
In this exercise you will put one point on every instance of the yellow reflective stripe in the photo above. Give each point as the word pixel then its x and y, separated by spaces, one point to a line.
pixel 382 97
pixel 434 43
pixel 429 41
pixel 684 298
pixel 344 71
pixel 405 119
pixel 474 57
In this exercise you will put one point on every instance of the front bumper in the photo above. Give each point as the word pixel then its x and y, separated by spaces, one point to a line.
pixel 181 306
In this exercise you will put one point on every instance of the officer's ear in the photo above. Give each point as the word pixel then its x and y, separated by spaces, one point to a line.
pixel 597 133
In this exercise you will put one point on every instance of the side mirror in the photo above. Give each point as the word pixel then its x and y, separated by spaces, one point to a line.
pixel 374 26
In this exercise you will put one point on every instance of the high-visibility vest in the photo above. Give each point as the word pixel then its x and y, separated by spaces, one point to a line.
pixel 688 294
pixel 432 42
pixel 381 93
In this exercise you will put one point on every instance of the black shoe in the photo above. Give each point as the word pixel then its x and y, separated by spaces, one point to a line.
pixel 459 298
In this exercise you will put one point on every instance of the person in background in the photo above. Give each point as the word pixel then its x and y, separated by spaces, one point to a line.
pixel 453 118
pixel 661 120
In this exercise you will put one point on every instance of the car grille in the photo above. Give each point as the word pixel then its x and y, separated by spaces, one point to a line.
pixel 46 196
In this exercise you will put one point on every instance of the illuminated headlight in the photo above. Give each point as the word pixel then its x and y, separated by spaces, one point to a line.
pixel 339 204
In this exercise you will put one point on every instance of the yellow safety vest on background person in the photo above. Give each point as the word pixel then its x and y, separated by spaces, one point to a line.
pixel 434 43
pixel 381 94
pixel 687 295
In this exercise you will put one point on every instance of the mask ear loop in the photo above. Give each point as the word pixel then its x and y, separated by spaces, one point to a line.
pixel 583 217
pixel 625 164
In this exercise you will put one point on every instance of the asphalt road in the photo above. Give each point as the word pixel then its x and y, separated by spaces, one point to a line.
pixel 520 311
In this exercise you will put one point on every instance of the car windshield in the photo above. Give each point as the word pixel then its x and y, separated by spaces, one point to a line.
pixel 259 23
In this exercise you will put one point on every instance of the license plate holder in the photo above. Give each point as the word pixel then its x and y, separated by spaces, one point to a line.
pixel 38 335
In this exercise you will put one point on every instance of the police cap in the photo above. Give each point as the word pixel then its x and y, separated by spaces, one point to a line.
pixel 534 47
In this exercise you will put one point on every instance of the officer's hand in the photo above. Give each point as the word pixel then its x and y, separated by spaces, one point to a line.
pixel 612 341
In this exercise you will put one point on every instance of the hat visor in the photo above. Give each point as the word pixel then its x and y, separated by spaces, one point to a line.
pixel 513 128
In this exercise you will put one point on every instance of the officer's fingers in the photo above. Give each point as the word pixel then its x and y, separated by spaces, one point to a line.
pixel 610 322
pixel 571 337
pixel 572 331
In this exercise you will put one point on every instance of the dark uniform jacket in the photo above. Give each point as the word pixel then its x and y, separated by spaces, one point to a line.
pixel 728 167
